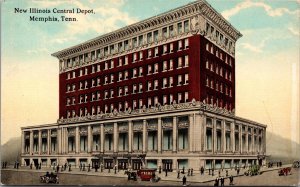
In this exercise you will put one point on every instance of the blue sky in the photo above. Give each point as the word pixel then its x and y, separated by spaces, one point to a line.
pixel 267 55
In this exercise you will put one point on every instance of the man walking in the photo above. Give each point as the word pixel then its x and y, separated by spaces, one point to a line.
pixel 178 173
pixel 202 170
pixel 184 180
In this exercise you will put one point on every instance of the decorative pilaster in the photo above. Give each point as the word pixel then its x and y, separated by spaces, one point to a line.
pixel 214 136
pixel 240 137
pixel 130 136
pixel 159 135
pixel 59 138
pixel 77 140
pixel 264 141
pixel 116 137
pixel 22 142
pixel 101 138
pixel 223 142
pixel 204 147
pixel 89 144
pixel 191 132
pixel 253 147
pixel 40 142
pixel 48 141
pixel 246 138
pixel 174 134
pixel 232 136
pixel 144 136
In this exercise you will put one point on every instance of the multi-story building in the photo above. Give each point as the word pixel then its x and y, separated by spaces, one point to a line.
pixel 160 92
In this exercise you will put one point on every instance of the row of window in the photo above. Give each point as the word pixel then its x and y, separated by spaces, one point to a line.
pixel 149 53
pixel 218 86
pixel 123 106
pixel 219 102
pixel 219 70
pixel 136 72
pixel 136 88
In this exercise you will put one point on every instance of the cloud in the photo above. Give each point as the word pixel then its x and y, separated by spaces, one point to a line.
pixel 257 48
pixel 273 12
pixel 37 51
pixel 294 31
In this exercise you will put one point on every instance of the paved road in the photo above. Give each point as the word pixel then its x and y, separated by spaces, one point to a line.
pixel 31 177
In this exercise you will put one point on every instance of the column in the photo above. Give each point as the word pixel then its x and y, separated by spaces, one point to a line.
pixel 22 142
pixel 144 136
pixel 66 141
pixel 240 137
pixel 89 144
pixel 214 135
pixel 246 137
pixel 40 142
pixel 174 164
pixel 59 140
pixel 204 148
pixel 197 140
pixel 264 141
pixel 63 140
pixel 223 136
pixel 101 138
pixel 48 141
pixel 174 134
pixel 116 137
pixel 159 135
pixel 252 141
pixel 232 137
pixel 130 136
pixel 191 132
pixel 77 140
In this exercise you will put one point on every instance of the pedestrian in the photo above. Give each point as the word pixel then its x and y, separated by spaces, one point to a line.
pixel 238 171
pixel 70 167
pixel 189 170
pixel 192 171
pixel 159 169
pixel 202 170
pixel 115 169
pixel 235 168
pixel 183 170
pixel 101 169
pixel 89 167
pixel 57 168
pixel 18 165
pixel 62 168
pixel 212 172
pixel 178 173
pixel 277 164
pixel 40 167
pixel 96 167
pixel 226 173
pixel 166 171
pixel 83 167
pixel 15 165
pixel 80 166
pixel 219 173
pixel 5 164
pixel 222 181
pixel 216 182
pixel 30 165
pixel 231 180
pixel 208 171
pixel 184 180
pixel 65 166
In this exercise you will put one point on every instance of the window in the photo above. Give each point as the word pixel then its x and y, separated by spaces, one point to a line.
pixel 179 44
pixel 93 97
pixel 186 26
pixel 171 31
pixel 68 101
pixel 105 94
pixel 186 61
pixel 165 66
pixel 207 47
pixel 140 40
pixel 179 62
pixel 230 76
pixel 171 64
pixel 98 81
pixel 155 101
pixel 86 98
pixel 120 106
pixel 140 103
pixel 141 55
pixel 86 71
pixel 217 85
pixel 134 42
pixel 93 69
pixel 156 51
pixel 179 80
pixel 111 93
pixel 126 60
pixel 73 87
pixel 120 76
pixel 98 68
pixel 155 33
pixel 134 73
pixel 98 110
pixel 120 62
pixel 98 95
pixel 120 47
pixel 141 71
pixel 80 72
pixel 156 68
pixel 212 84
pixel 165 99
pixel 221 87
pixel 211 67
pixel 149 53
pixel 85 84
pixel 81 86
pixel 105 108
pixel 111 108
pixel 186 79
pixel 179 97
pixel 155 84
pixel 207 81
pixel 165 32
pixel 126 46
pixel 149 37
pixel 126 90
pixel 149 86
pixel 149 69
pixel 207 64
pixel 120 91
pixel 106 65
pixel 134 88
pixel 134 105
pixel 171 81
pixel 73 100
pixel 179 28
pixel 186 96
pixel 171 98
pixel 149 102
pixel 186 43
pixel 126 105
pixel 134 57
pixel 165 47
pixel 111 64
pixel 165 82
pixel 171 47
pixel 126 75
pixel 140 87
pixel 111 78
pixel 74 74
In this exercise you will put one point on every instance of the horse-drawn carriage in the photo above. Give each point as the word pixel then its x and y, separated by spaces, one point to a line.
pixel 49 178
pixel 285 171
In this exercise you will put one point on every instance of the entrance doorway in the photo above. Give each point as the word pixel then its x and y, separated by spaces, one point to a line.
pixel 137 164
pixel 167 165
pixel 108 163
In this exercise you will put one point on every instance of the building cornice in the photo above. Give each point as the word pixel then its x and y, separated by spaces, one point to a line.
pixel 199 7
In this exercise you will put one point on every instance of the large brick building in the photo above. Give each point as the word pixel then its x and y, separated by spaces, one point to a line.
pixel 160 92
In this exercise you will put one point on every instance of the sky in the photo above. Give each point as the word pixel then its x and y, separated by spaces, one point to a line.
pixel 267 56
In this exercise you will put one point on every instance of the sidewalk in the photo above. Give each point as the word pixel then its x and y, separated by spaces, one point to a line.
pixel 172 176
